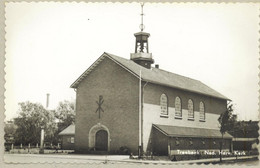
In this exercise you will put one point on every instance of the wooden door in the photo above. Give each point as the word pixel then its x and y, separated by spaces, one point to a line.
pixel 101 140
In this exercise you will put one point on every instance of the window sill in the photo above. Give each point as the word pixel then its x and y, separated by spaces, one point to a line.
pixel 180 118
pixel 202 120
pixel 191 119
pixel 164 116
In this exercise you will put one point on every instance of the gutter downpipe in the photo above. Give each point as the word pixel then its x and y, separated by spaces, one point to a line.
pixel 142 118
pixel 140 115
pixel 141 101
pixel 75 105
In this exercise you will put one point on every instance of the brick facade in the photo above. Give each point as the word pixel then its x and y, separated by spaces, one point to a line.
pixel 119 89
pixel 163 145
pixel 152 93
pixel 152 109
pixel 67 142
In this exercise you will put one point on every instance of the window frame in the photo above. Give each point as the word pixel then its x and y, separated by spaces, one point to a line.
pixel 176 116
pixel 167 106
pixel 193 116
pixel 72 140
pixel 177 141
pixel 190 142
pixel 200 112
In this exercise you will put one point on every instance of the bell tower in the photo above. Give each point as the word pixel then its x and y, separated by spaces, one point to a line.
pixel 142 55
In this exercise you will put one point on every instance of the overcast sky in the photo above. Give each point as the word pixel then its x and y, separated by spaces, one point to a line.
pixel 49 45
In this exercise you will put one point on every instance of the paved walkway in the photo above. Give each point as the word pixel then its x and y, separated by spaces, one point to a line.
pixel 77 158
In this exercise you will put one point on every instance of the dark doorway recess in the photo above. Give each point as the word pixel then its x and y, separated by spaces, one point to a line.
pixel 101 140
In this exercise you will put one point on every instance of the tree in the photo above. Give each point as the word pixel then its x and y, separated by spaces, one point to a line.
pixel 33 116
pixel 226 120
pixel 9 129
pixel 65 113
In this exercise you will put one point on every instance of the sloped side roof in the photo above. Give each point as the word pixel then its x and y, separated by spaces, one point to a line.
pixel 157 76
pixel 176 131
pixel 70 130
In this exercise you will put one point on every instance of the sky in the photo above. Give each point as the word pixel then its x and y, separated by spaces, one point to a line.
pixel 50 44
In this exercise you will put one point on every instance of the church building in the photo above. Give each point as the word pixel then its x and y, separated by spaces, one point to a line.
pixel 129 103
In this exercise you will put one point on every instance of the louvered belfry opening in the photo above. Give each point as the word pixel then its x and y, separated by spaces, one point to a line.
pixel 142 55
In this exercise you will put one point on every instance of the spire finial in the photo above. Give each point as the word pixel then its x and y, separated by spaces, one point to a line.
pixel 142 15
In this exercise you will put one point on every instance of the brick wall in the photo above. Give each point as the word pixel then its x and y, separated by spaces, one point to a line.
pixel 160 142
pixel 152 93
pixel 152 109
pixel 66 142
pixel 197 143
pixel 120 91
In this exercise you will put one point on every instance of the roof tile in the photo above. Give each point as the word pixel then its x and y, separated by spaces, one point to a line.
pixel 170 79
pixel 157 76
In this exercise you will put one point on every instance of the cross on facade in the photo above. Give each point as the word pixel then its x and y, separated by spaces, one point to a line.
pixel 99 102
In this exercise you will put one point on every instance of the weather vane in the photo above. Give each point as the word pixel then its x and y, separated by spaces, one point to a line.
pixel 142 15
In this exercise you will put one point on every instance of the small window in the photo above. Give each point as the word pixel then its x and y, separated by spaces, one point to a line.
pixel 190 110
pixel 71 139
pixel 68 140
pixel 178 112
pixel 203 141
pixel 190 142
pixel 202 111
pixel 177 142
pixel 164 105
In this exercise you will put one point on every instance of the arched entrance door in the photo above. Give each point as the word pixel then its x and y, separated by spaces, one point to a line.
pixel 101 143
pixel 99 136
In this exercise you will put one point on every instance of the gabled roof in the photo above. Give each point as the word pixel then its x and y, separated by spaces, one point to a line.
pixel 70 130
pixel 155 75
pixel 176 131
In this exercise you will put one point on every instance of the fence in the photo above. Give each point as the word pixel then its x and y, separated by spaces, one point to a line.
pixel 34 149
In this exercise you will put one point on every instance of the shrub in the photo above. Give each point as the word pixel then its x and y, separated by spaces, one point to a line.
pixel 123 150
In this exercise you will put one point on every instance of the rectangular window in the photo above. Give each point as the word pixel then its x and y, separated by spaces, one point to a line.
pixel 71 139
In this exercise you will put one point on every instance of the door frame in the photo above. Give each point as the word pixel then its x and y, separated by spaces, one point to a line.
pixel 92 135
